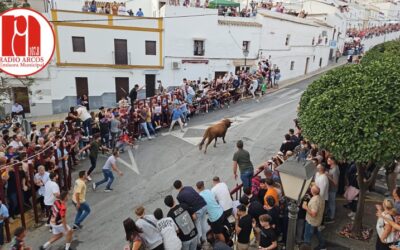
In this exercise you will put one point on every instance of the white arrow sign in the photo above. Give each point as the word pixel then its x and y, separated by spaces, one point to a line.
pixel 133 165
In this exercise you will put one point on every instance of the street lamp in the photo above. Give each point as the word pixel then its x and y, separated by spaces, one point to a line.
pixel 296 176
pixel 245 54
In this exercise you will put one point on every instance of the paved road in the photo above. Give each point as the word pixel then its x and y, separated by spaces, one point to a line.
pixel 169 157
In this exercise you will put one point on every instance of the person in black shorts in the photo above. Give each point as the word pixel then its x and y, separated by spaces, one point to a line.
pixel 243 227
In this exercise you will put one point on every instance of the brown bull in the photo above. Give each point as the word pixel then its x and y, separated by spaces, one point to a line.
pixel 215 131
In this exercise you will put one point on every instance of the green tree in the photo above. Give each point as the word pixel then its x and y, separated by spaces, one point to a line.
pixel 3 7
pixel 354 112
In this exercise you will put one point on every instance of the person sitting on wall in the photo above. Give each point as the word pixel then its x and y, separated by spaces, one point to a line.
pixel 17 109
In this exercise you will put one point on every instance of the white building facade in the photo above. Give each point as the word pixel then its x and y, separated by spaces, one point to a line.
pixel 104 56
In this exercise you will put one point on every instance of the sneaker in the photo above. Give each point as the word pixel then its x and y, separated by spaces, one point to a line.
pixel 158 127
pixel 94 186
pixel 150 138
pixel 351 214
pixel 321 228
pixel 185 124
pixel 75 227
pixel 42 248
pixel 329 221
pixel 47 225
pixel 89 178
pixel 107 190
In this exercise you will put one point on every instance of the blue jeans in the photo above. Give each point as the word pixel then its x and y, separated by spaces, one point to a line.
pixel 246 177
pixel 108 177
pixel 189 99
pixel 190 244
pixel 83 212
pixel 87 126
pixel 331 205
pixel 309 231
pixel 151 128
pixel 144 127
pixel 201 223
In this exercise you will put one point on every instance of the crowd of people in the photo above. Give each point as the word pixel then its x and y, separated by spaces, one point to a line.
pixel 110 8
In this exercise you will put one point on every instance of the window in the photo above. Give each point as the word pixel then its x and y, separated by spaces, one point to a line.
pixel 121 51
pixel 246 45
pixel 198 48
pixel 313 59
pixel 287 40
pixel 292 65
pixel 151 48
pixel 313 41
pixel 78 44
pixel 320 62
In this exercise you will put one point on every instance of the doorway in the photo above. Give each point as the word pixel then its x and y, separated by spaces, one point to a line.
pixel 306 68
pixel 150 85
pixel 121 87
pixel 81 85
pixel 21 95
pixel 219 73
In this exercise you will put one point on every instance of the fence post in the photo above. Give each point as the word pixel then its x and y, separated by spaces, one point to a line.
pixel 19 194
pixel 33 189
pixel 65 186
pixel 6 222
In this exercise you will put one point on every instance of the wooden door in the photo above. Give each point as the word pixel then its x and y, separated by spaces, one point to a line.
pixel 21 95
pixel 121 87
pixel 121 51
pixel 81 85
pixel 150 85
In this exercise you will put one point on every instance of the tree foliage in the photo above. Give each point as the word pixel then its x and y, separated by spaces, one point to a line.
pixel 354 111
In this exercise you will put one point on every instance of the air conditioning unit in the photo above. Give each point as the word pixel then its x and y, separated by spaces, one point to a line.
pixel 176 65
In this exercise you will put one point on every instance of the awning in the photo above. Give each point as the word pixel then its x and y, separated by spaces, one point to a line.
pixel 223 3
pixel 240 62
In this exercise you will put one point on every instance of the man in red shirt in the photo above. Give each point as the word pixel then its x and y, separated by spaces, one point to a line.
pixel 58 222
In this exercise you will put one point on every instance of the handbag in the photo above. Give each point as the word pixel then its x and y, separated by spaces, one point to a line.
pixel 351 193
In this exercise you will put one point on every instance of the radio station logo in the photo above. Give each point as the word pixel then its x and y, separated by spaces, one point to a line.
pixel 27 42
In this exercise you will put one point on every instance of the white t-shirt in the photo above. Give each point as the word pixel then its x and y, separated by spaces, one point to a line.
pixel 322 181
pixel 110 161
pixel 222 195
pixel 83 113
pixel 44 178
pixel 50 188
pixel 168 230
pixel 16 144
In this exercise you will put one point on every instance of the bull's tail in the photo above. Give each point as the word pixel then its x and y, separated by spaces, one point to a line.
pixel 204 138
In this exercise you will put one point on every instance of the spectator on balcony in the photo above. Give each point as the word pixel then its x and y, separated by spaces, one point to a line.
pixel 122 10
pixel 85 7
pixel 139 13
pixel 107 8
pixel 114 8
pixel 93 7
pixel 101 10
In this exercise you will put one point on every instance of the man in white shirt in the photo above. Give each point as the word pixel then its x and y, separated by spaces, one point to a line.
pixel 16 142
pixel 222 195
pixel 85 117
pixel 17 109
pixel 322 182
pixel 40 179
pixel 189 94
pixel 51 193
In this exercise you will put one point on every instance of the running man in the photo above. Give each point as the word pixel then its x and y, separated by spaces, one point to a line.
pixel 109 166
pixel 253 87
pixel 79 200
pixel 59 223
pixel 94 148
